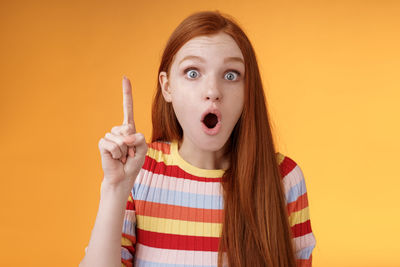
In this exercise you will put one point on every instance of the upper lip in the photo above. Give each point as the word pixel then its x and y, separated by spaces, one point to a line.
pixel 212 110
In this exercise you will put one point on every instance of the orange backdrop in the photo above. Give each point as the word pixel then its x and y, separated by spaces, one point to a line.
pixel 331 75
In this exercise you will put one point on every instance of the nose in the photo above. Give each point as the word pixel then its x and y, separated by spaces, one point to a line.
pixel 212 91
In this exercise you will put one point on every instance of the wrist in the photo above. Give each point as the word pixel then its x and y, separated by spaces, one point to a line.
pixel 115 191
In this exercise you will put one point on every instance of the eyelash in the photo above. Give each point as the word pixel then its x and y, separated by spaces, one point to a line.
pixel 193 68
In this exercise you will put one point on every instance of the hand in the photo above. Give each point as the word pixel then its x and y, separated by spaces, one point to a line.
pixel 123 150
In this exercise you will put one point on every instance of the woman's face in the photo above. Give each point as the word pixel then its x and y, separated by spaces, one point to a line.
pixel 206 76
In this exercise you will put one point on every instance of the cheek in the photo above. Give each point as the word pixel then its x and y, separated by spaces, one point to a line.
pixel 238 106
pixel 184 98
pixel 238 98
pixel 184 109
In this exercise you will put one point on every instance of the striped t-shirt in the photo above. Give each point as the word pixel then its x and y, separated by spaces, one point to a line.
pixel 174 212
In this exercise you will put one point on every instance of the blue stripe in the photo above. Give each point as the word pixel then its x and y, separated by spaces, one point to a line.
pixel 296 191
pixel 125 254
pixel 178 198
pixel 142 263
pixel 129 227
pixel 305 253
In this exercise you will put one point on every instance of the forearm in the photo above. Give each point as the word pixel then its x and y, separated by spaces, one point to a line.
pixel 105 243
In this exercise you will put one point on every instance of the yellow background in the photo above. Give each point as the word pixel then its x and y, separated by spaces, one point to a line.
pixel 331 75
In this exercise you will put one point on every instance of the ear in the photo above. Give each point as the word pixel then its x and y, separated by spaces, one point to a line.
pixel 163 79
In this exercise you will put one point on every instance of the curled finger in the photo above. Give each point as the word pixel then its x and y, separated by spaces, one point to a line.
pixel 120 141
pixel 108 146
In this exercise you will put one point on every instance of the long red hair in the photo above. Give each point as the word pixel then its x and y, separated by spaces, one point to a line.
pixel 256 229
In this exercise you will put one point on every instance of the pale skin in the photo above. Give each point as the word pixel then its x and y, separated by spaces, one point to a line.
pixel 122 155
pixel 123 150
pixel 215 61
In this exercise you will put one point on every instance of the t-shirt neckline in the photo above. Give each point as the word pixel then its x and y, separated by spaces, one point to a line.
pixel 191 169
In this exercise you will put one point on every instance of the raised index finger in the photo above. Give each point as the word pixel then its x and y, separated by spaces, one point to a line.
pixel 128 103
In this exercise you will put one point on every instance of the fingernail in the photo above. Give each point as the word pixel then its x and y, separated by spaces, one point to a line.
pixel 131 152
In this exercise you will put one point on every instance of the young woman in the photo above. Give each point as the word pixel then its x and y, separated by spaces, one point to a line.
pixel 210 189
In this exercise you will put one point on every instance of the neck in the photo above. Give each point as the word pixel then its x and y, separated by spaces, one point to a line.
pixel 204 159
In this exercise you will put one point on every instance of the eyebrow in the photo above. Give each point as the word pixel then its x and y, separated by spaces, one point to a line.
pixel 238 59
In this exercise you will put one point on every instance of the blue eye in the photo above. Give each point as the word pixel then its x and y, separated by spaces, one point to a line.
pixel 192 73
pixel 231 75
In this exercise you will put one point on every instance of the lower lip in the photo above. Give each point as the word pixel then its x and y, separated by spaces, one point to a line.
pixel 212 131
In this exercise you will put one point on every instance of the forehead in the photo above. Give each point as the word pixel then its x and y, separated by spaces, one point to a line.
pixel 220 44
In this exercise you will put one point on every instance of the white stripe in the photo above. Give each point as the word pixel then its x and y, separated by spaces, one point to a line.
pixel 304 241
pixel 178 184
pixel 294 177
pixel 173 256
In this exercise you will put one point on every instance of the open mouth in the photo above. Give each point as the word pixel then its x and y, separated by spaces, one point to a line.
pixel 210 120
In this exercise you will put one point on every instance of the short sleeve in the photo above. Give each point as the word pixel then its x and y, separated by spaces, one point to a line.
pixel 298 211
pixel 128 239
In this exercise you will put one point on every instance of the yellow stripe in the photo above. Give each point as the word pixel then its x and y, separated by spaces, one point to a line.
pixel 175 159
pixel 299 216
pixel 178 227
pixel 125 241
pixel 279 157
pixel 158 156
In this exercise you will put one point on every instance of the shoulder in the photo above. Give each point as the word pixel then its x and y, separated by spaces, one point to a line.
pixel 158 148
pixel 292 177
pixel 286 164
pixel 158 152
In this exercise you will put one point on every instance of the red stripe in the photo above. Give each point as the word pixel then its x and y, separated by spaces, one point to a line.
pixel 131 238
pixel 300 203
pixel 155 167
pixel 304 263
pixel 130 205
pixel 175 212
pixel 160 146
pixel 181 242
pixel 131 249
pixel 128 263
pixel 301 229
pixel 286 166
